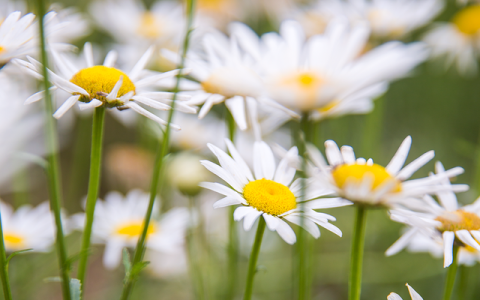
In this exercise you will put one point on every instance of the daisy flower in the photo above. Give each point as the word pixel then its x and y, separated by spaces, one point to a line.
pixel 367 183
pixel 329 74
pixel 27 227
pixel 458 40
pixel 226 74
pixel 118 223
pixel 95 85
pixel 16 34
pixel 446 223
pixel 269 192
pixel 413 294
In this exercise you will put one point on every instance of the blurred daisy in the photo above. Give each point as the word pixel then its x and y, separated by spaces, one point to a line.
pixel 367 183
pixel 269 192
pixel 27 227
pixel 118 223
pixel 95 85
pixel 420 242
pixel 65 26
pixel 185 172
pixel 458 40
pixel 225 74
pixel 388 19
pixel 16 34
pixel 446 223
pixel 20 128
pixel 413 294
pixel 328 75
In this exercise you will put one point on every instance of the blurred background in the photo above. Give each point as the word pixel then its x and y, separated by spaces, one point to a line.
pixel 437 106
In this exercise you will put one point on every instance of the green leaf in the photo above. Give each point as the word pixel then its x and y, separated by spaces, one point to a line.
pixel 15 254
pixel 138 267
pixel 126 263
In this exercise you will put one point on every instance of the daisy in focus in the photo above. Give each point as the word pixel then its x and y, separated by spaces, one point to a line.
pixel 118 223
pixel 367 183
pixel 458 40
pixel 103 85
pixel 446 223
pixel 28 227
pixel 327 75
pixel 270 192
pixel 413 294
pixel 16 35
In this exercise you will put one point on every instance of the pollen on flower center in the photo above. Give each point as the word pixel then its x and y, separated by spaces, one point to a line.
pixel 100 80
pixel 149 26
pixel 467 20
pixel 269 196
pixel 357 172
pixel 459 220
pixel 13 240
pixel 134 229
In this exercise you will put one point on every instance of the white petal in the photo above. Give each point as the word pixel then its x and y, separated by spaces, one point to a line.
pixel 137 108
pixel 413 294
pixel 113 94
pixel 227 201
pixel 236 106
pixel 286 232
pixel 140 65
pixel 394 296
pixel 264 162
pixel 448 238
pixel 271 221
pixel 333 153
pixel 348 155
pixel 92 104
pixel 467 239
pixel 112 254
pixel 401 243
pixel 327 203
pixel 223 174
pixel 66 106
pixel 398 160
pixel 242 165
pixel 412 167
pixel 110 59
pixel 88 52
pixel 221 189
pixel 250 219
pixel 241 212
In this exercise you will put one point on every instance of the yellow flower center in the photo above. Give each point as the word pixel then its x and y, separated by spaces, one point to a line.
pixel 149 26
pixel 269 196
pixel 99 81
pixel 305 87
pixel 13 240
pixel 134 229
pixel 1 49
pixel 327 108
pixel 467 20
pixel 357 172
pixel 459 220
pixel 213 5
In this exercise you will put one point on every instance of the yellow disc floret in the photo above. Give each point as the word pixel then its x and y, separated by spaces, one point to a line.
pixel 459 220
pixel 13 240
pixel 149 26
pixel 269 196
pixel 305 86
pixel 357 172
pixel 99 81
pixel 1 49
pixel 467 20
pixel 134 229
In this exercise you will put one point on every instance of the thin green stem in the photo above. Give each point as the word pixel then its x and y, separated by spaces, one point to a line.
pixel 476 177
pixel 356 258
pixel 7 293
pixel 93 187
pixel 232 229
pixel 162 151
pixel 53 168
pixel 252 263
pixel 451 273
pixel 463 282
pixel 304 253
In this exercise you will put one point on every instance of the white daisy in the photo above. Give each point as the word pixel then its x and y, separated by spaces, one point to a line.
pixel 96 85
pixel 413 294
pixel 458 40
pixel 270 192
pixel 446 223
pixel 226 74
pixel 65 26
pixel 27 227
pixel 328 74
pixel 118 223
pixel 420 242
pixel 16 35
pixel 367 183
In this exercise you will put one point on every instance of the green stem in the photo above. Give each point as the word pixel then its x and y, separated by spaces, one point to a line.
pixel 53 168
pixel 252 264
pixel 93 187
pixel 304 253
pixel 356 258
pixel 194 249
pixel 232 229
pixel 476 177
pixel 373 129
pixel 451 273
pixel 162 151
pixel 463 282
pixel 7 293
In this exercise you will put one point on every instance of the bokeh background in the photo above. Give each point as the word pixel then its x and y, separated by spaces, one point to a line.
pixel 438 107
